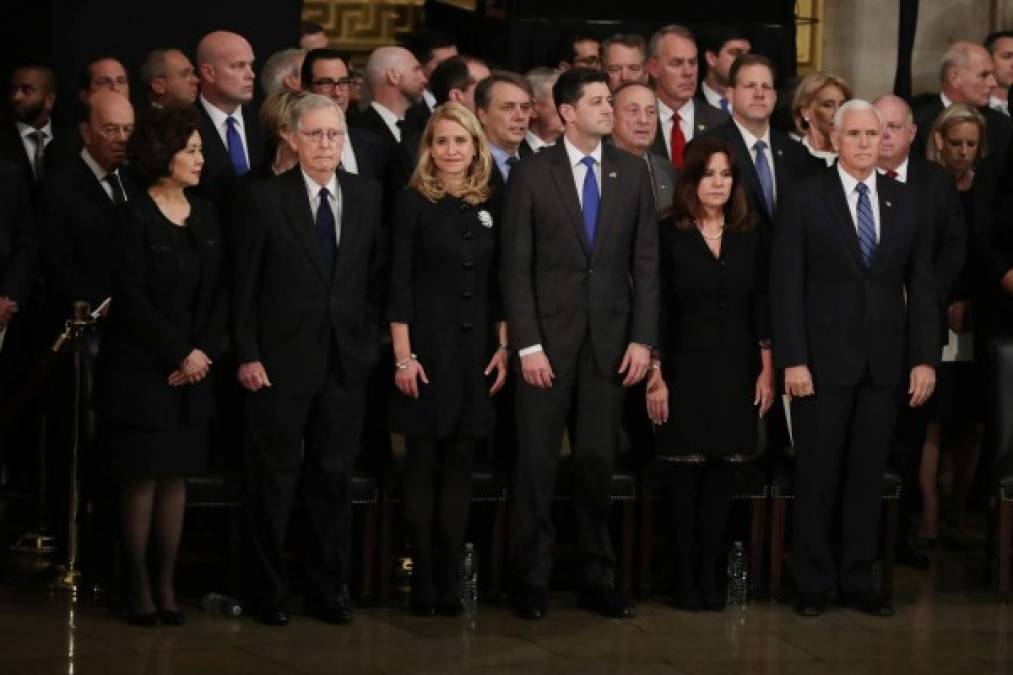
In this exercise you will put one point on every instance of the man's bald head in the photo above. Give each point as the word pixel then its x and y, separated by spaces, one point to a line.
pixel 898 131
pixel 395 77
pixel 966 74
pixel 385 59
pixel 108 127
pixel 225 68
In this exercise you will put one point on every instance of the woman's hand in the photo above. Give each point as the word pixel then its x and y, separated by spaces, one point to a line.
pixel 764 391
pixel 406 379
pixel 192 369
pixel 657 397
pixel 498 362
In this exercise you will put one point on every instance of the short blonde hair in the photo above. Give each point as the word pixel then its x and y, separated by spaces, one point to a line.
pixel 806 91
pixel 274 113
pixel 957 113
pixel 475 189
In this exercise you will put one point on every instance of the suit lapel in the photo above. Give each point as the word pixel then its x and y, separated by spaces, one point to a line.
pixel 837 205
pixel 610 193
pixel 91 186
pixel 887 223
pixel 781 171
pixel 562 174
pixel 348 224
pixel 746 166
pixel 300 219
pixel 214 146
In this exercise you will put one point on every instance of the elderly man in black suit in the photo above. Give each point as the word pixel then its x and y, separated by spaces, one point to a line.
pixel 636 115
pixel 29 140
pixel 672 60
pixel 169 77
pixel 307 315
pixel 580 279
pixel 856 319
pixel 103 73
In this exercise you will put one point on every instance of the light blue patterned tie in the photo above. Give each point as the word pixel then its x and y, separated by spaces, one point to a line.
pixel 866 224
pixel 765 176
pixel 591 200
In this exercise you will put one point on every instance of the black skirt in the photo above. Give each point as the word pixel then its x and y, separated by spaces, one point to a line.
pixel 137 454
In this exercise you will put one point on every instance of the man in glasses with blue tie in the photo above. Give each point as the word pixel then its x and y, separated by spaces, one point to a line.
pixel 580 279
pixel 307 316
pixel 855 318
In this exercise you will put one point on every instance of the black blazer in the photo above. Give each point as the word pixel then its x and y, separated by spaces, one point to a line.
pixel 705 118
pixel 77 231
pixel 152 326
pixel 288 313
pixel 219 183
pixel 557 289
pixel 19 244
pixel 792 164
pixel 417 115
pixel 369 153
pixel 926 108
pixel 58 151
pixel 370 120
pixel 831 313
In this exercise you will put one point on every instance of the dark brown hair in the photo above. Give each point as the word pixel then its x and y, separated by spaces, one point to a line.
pixel 750 59
pixel 686 208
pixel 160 133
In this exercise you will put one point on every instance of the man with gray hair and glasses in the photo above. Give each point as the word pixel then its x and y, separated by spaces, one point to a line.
pixel 307 314
pixel 169 77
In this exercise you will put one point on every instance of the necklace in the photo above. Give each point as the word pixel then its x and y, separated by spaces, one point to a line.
pixel 721 231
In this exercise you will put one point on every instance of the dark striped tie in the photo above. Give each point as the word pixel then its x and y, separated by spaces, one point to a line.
pixel 866 224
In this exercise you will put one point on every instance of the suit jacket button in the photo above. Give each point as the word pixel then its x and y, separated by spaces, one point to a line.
pixel 469 234
pixel 468 265
pixel 466 326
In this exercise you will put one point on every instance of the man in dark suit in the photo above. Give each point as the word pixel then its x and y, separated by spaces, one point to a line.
pixel 169 78
pixel 325 72
pixel 503 106
pixel 580 280
pixel 622 59
pixel 307 315
pixel 943 215
pixel 636 123
pixel 545 127
pixel 103 73
pixel 233 141
pixel 769 162
pixel 965 76
pixel 430 48
pixel 29 140
pixel 855 320
pixel 672 62
pixel 80 197
pixel 721 46
pixel 395 81
pixel 19 250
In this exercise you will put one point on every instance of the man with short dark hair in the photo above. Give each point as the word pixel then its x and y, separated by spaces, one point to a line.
pixel 169 77
pixel 622 59
pixel 580 288
pixel 576 50
pixel 312 36
pixel 1000 46
pixel 103 73
pixel 672 62
pixel 30 141
pixel 503 106
pixel 636 114
pixel 721 46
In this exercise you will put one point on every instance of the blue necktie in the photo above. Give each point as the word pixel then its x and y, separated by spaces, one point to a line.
pixel 237 156
pixel 724 106
pixel 765 176
pixel 866 224
pixel 590 200
pixel 325 230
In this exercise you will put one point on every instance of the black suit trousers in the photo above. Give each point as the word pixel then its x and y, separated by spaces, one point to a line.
pixel 591 405
pixel 842 440
pixel 308 442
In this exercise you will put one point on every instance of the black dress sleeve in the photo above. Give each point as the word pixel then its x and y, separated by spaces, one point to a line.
pixel 404 229
pixel 761 292
pixel 211 333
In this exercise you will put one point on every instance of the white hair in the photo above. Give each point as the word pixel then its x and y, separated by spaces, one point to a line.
pixel 308 103
pixel 541 80
pixel 856 105
pixel 278 66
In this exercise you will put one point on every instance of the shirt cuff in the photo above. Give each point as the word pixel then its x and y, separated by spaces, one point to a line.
pixel 533 349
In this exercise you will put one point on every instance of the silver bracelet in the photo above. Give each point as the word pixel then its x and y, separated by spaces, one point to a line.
pixel 403 365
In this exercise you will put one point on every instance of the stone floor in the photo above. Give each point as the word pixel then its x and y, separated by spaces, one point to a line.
pixel 941 627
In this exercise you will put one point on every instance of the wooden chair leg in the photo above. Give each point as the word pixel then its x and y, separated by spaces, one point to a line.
pixel 757 508
pixel 1005 544
pixel 628 536
pixel 778 512
pixel 498 550
pixel 386 567
pixel 892 515
pixel 646 546
pixel 369 534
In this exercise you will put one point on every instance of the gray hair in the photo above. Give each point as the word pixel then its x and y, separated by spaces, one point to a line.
pixel 279 66
pixel 308 103
pixel 957 55
pixel 671 29
pixel 541 80
pixel 155 66
pixel 855 105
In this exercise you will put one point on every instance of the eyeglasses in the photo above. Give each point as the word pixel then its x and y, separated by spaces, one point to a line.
pixel 318 135
pixel 327 84
pixel 587 62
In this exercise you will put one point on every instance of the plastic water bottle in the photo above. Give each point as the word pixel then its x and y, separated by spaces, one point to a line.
pixel 737 576
pixel 216 604
pixel 469 580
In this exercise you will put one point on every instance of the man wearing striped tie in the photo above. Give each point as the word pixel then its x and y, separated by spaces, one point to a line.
pixel 854 319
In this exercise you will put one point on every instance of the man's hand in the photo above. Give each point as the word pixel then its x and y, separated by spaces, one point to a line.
pixel 798 381
pixel 252 376
pixel 657 397
pixel 8 308
pixel 536 370
pixel 923 382
pixel 636 362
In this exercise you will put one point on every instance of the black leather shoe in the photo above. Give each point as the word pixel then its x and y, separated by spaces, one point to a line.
pixel 909 556
pixel 171 617
pixel 869 602
pixel 145 620
pixel 270 616
pixel 810 604
pixel 606 602
pixel 530 604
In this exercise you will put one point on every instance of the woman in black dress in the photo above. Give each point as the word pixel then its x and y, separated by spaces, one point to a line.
pixel 450 351
pixel 165 324
pixel 716 374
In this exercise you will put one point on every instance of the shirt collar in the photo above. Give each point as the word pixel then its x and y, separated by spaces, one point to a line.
pixel 901 171
pixel 576 155
pixel 313 187
pixel 26 129
pixel 218 116
pixel 535 141
pixel 430 100
pixel 750 139
pixel 95 167
pixel 386 114
pixel 685 111
pixel 713 97
pixel 946 102
pixel 998 104
pixel 850 183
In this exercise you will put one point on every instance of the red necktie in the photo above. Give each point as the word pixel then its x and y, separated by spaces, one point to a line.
pixel 891 174
pixel 678 141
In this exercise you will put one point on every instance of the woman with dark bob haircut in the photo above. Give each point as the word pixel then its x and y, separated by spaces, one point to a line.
pixel 716 376
pixel 165 324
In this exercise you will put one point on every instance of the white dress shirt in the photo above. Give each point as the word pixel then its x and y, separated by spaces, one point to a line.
pixel 101 173
pixel 750 140
pixel 348 161
pixel 579 170
pixel 714 98
pixel 430 100
pixel 1002 105
pixel 389 118
pixel 333 201
pixel 26 131
pixel 535 141
pixel 219 117
pixel 946 102
pixel 901 172
pixel 666 115
pixel 851 194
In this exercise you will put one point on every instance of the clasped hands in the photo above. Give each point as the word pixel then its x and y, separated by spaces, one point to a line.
pixel 192 369
pixel 798 382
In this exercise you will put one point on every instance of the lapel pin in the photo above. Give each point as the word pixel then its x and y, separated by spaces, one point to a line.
pixel 612 174
pixel 778 153
pixel 889 204
pixel 701 127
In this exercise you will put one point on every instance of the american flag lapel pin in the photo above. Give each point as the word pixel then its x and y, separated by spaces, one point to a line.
pixel 889 204
pixel 701 127
pixel 612 174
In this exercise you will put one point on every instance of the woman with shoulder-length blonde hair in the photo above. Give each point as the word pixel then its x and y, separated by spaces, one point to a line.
pixel 274 113
pixel 449 339
pixel 817 98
